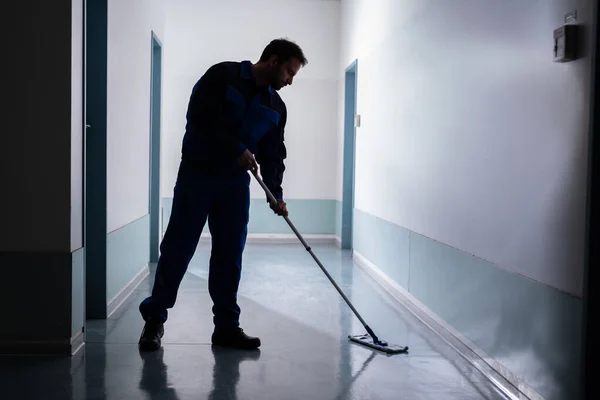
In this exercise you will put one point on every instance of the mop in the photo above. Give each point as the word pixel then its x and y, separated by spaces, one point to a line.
pixel 368 339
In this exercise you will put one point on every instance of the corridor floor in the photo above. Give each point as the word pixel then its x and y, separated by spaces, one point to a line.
pixel 302 321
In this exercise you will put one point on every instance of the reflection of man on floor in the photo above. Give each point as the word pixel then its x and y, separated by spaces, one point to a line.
pixel 154 377
pixel 226 372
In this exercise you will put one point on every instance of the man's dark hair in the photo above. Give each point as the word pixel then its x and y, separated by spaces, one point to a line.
pixel 284 49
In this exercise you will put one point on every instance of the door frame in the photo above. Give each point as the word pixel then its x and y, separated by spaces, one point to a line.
pixel 94 155
pixel 349 156
pixel 592 245
pixel 155 133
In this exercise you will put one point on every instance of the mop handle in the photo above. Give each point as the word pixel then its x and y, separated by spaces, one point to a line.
pixel 307 247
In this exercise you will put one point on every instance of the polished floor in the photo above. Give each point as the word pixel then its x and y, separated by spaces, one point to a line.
pixel 302 321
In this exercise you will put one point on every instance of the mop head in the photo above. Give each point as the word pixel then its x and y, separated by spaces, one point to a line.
pixel 367 340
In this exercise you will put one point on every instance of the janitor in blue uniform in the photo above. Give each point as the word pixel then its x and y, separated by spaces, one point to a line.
pixel 235 122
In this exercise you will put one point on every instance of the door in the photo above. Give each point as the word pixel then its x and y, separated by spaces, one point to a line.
pixel 349 156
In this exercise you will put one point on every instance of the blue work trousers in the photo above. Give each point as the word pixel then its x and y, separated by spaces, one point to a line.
pixel 224 201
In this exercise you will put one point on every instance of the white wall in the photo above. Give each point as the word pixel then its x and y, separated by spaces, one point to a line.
pixel 130 25
pixel 470 134
pixel 77 125
pixel 197 37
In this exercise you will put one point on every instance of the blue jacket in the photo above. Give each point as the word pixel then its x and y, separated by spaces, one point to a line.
pixel 228 114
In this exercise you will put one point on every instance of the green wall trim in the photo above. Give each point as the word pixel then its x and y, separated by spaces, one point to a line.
pixel 384 244
pixel 128 251
pixel 309 216
pixel 338 218
pixel 532 329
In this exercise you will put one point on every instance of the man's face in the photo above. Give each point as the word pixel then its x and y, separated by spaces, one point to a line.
pixel 283 73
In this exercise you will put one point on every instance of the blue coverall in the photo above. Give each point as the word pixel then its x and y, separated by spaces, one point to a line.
pixel 227 113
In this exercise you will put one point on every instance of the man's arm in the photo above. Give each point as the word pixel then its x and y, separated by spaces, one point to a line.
pixel 270 156
pixel 207 109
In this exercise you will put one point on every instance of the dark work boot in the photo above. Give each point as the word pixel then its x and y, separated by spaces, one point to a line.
pixel 152 334
pixel 236 339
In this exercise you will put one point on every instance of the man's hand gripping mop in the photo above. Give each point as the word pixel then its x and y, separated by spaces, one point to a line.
pixel 368 339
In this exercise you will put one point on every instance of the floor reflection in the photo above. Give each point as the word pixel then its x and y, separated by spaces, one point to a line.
pixel 154 379
pixel 303 323
pixel 226 371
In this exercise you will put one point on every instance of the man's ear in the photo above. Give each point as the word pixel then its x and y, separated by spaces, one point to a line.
pixel 273 61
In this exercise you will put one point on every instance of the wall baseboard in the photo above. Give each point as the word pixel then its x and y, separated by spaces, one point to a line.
pixel 507 382
pixel 279 238
pixel 126 291
pixel 67 347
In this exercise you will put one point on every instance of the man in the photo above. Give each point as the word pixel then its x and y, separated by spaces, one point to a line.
pixel 234 113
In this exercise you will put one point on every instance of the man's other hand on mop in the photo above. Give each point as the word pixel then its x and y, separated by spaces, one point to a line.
pixel 280 208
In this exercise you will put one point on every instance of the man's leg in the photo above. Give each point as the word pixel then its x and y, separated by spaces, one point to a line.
pixel 228 224
pixel 191 201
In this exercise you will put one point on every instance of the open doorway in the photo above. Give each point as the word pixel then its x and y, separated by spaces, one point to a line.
pixel 155 107
pixel 349 155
